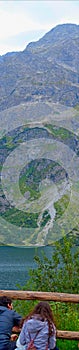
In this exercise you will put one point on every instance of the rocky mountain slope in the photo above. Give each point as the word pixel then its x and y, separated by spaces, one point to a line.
pixel 46 69
pixel 39 140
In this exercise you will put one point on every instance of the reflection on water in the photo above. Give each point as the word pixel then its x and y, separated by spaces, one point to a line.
pixel 15 264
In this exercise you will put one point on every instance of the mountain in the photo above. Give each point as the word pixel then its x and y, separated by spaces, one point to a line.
pixel 46 69
pixel 39 140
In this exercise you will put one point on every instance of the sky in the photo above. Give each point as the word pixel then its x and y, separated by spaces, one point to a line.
pixel 24 21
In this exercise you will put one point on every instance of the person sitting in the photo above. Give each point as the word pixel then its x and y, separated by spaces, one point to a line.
pixel 9 318
pixel 38 325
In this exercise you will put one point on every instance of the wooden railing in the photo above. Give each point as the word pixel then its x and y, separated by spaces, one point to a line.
pixel 49 296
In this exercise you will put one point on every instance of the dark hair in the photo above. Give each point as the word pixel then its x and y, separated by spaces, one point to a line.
pixel 4 301
pixel 43 310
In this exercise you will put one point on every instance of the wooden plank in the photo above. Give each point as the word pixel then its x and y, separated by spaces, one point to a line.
pixel 50 296
pixel 67 335
pixel 70 335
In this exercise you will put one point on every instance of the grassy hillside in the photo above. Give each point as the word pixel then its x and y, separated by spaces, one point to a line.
pixel 39 176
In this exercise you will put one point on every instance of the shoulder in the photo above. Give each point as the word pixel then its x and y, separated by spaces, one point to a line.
pixel 15 315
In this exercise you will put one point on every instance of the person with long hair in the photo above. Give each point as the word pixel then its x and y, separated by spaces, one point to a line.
pixel 40 326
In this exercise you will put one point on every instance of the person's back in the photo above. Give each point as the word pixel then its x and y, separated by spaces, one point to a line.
pixel 35 326
pixel 39 326
pixel 8 319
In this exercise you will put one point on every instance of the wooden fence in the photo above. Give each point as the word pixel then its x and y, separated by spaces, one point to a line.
pixel 49 296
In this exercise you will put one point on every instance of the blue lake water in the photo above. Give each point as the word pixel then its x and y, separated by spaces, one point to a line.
pixel 15 264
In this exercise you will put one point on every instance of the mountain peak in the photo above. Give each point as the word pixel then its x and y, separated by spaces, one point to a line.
pixel 46 69
pixel 62 30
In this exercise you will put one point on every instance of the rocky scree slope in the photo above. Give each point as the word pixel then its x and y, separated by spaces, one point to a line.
pixel 47 69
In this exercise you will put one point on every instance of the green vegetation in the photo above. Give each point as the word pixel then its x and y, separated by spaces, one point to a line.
pixel 34 178
pixel 20 218
pixel 77 107
pixel 9 142
pixel 61 205
pixel 45 218
pixel 26 184
pixel 35 172
pixel 59 132
pixel 60 274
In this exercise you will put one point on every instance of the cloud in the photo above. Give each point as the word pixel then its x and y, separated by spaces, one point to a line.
pixel 19 20
pixel 11 24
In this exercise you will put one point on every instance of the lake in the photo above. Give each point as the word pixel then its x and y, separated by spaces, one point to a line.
pixel 15 264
